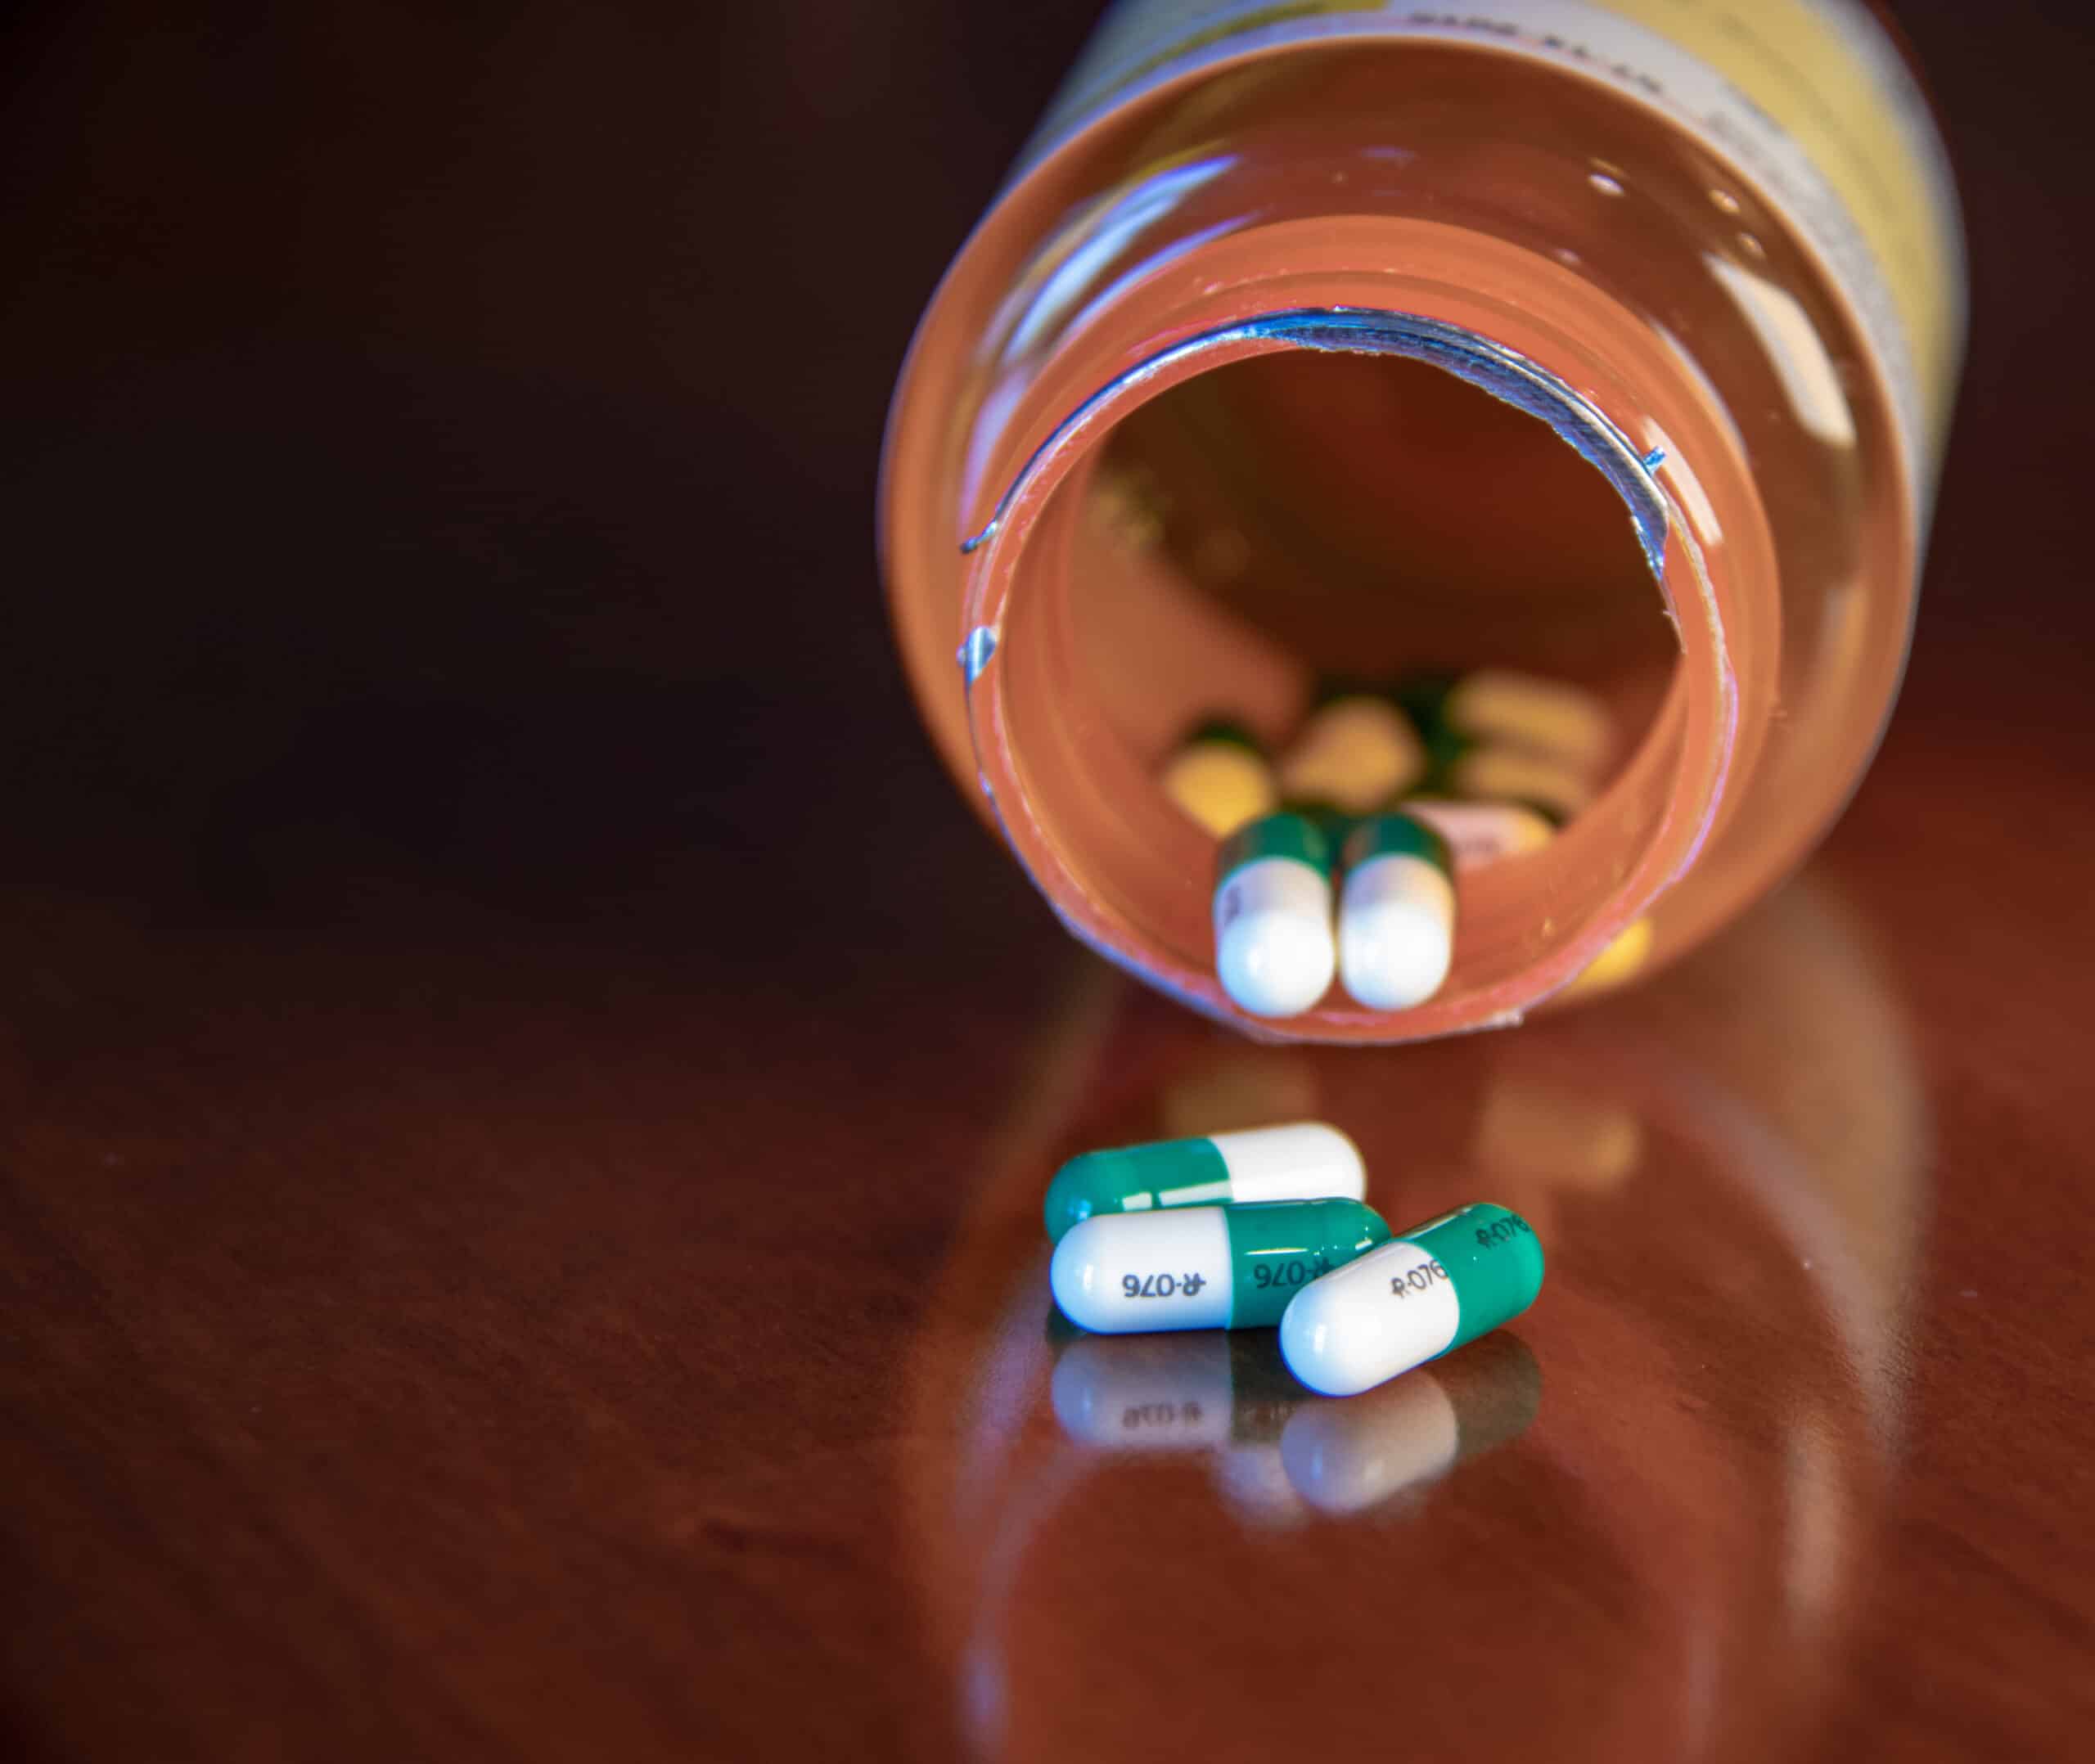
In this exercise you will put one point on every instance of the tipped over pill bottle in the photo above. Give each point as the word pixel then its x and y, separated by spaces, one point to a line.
pixel 1606 342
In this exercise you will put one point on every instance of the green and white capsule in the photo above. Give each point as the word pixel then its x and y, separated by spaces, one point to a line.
pixel 1419 1296
pixel 1273 951
pixel 1204 1267
pixel 1218 777
pixel 1303 1160
pixel 1396 913
pixel 1356 749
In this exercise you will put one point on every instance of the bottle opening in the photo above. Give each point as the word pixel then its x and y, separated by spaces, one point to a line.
pixel 1363 517
pixel 1255 513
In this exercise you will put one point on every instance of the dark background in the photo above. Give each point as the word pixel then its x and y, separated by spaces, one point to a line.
pixel 476 898
pixel 444 446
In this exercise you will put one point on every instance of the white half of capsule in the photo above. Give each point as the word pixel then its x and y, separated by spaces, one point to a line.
pixel 1482 833
pixel 1396 931
pixel 1361 1324
pixel 1274 952
pixel 1119 1272
pixel 1305 1160
pixel 1174 1394
pixel 1347 1457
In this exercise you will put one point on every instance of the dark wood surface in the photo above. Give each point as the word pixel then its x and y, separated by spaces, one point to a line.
pixel 527 1094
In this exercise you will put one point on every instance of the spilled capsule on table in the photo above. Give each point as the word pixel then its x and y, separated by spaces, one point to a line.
pixel 1204 1267
pixel 1298 1160
pixel 1422 1294
pixel 1278 1450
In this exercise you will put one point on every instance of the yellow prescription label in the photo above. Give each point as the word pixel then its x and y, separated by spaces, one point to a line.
pixel 1807 98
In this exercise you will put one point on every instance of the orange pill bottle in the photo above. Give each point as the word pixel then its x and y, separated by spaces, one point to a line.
pixel 1608 341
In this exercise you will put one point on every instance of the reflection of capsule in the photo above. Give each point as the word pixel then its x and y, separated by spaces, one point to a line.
pixel 1242 1088
pixel 1204 1267
pixel 1346 1457
pixel 1432 1289
pixel 1556 1135
pixel 1254 1483
pixel 1179 1391
pixel 1305 1160
pixel 1150 1394
pixel 1263 1394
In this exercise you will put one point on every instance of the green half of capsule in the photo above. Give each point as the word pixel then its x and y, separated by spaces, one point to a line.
pixel 1334 822
pixel 1171 1173
pixel 1493 1262
pixel 1424 1294
pixel 1394 833
pixel 1296 1160
pixel 1277 1247
pixel 1305 837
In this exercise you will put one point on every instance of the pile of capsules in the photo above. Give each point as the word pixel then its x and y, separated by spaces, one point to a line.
pixel 1246 1230
pixel 1398 791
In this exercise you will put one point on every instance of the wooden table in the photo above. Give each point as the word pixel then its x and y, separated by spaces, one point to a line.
pixel 529 1094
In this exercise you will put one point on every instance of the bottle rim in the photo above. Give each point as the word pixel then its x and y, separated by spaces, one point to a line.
pixel 1547 918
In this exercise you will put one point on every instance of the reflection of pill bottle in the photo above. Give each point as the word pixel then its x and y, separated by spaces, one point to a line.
pixel 1250 374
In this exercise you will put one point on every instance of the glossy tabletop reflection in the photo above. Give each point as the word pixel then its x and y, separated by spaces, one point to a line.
pixel 1644 1521
pixel 528 1095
